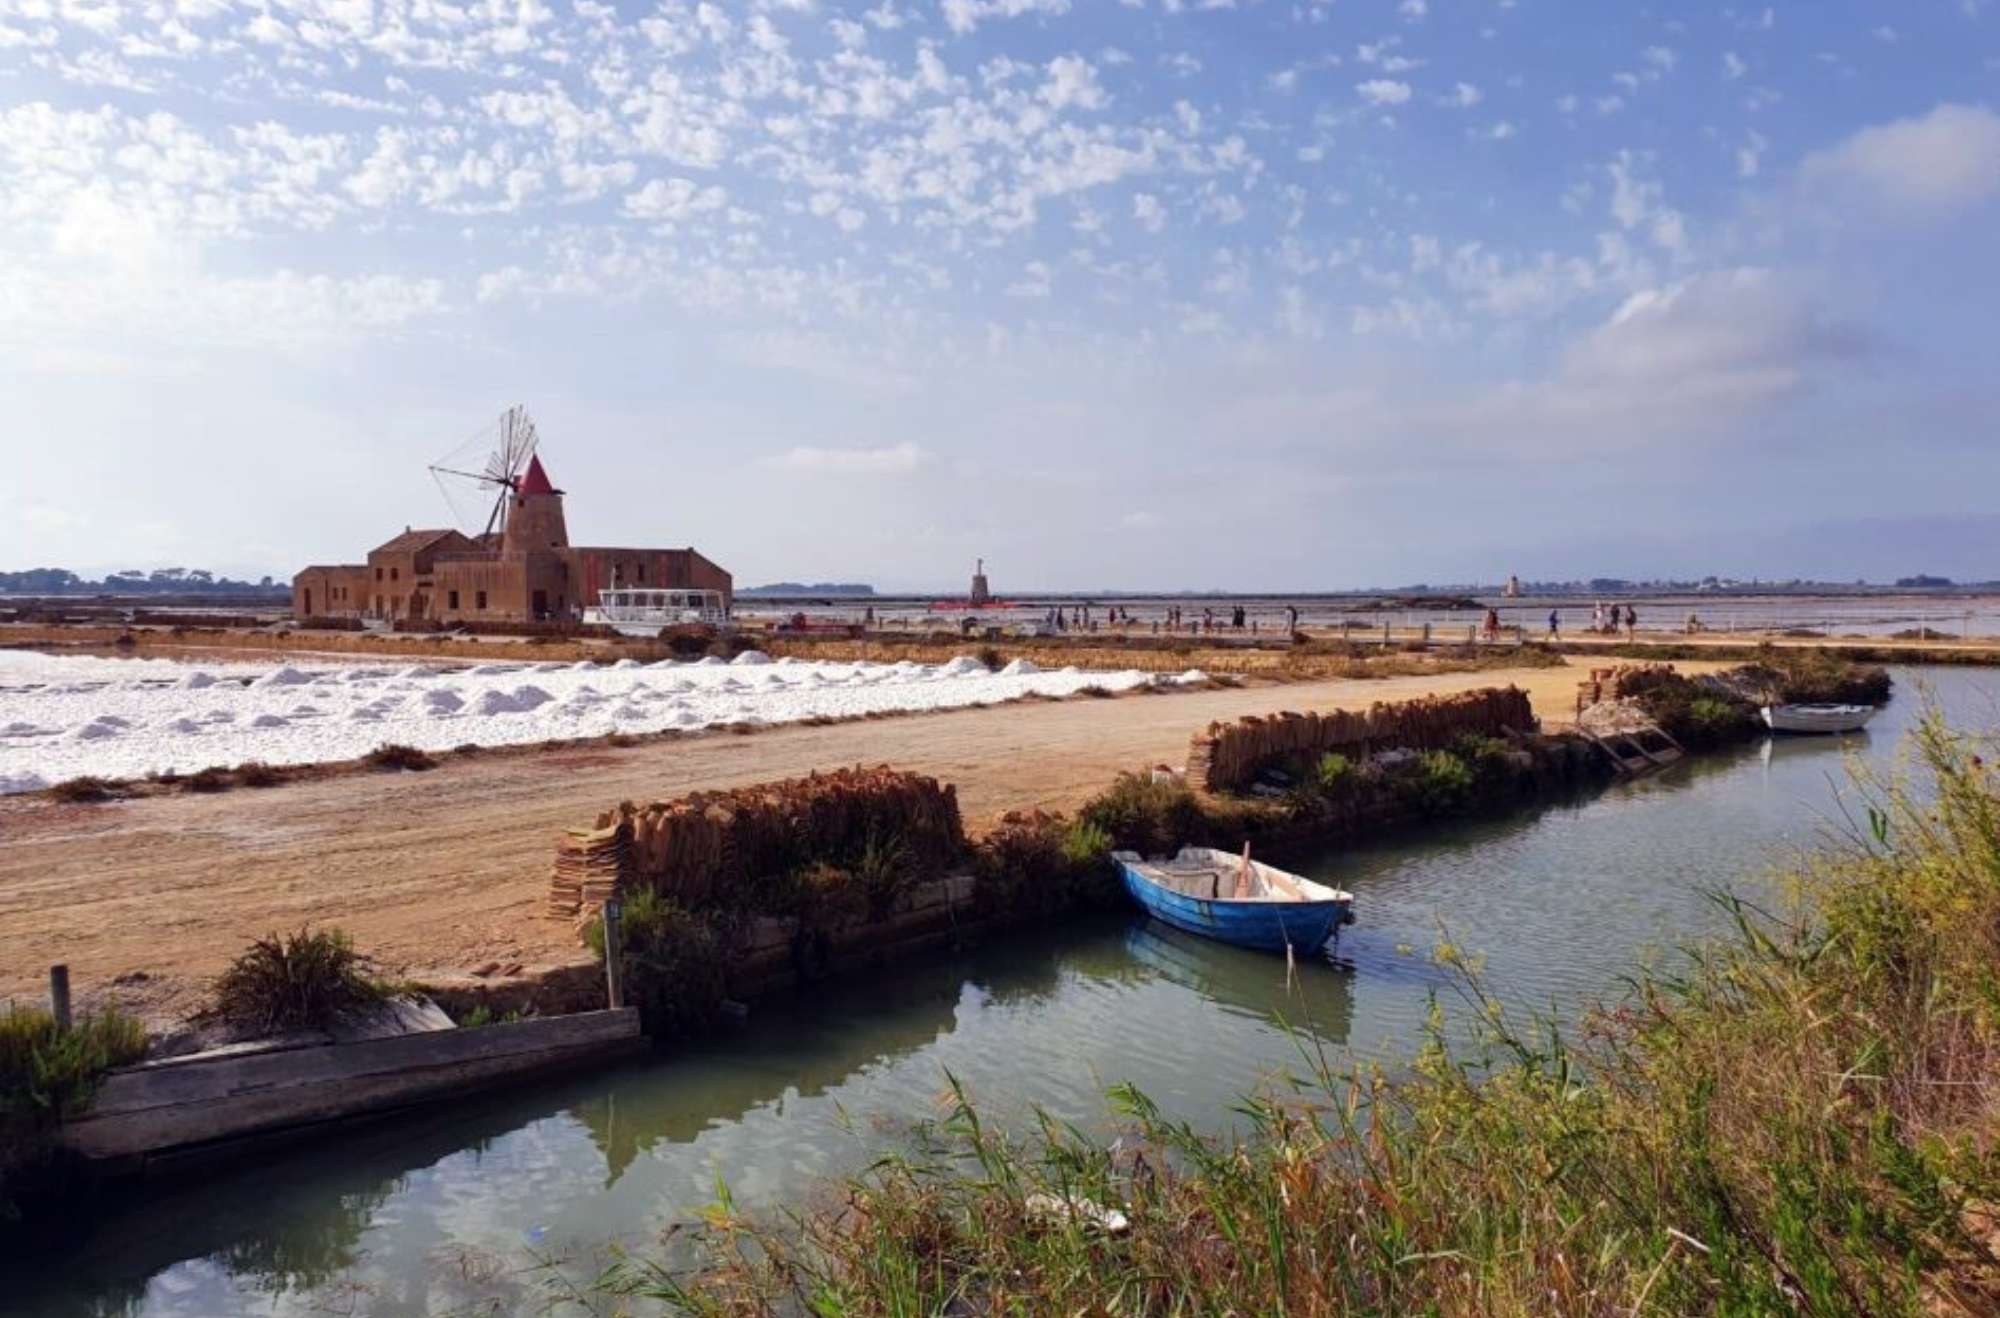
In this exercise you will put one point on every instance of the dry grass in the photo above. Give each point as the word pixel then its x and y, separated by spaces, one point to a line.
pixel 1802 1119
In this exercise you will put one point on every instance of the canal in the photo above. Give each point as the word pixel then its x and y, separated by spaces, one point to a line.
pixel 493 1206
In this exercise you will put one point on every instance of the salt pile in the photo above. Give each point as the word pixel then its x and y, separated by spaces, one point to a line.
pixel 66 716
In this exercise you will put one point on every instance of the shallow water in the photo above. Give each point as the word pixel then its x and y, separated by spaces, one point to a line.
pixel 449 1211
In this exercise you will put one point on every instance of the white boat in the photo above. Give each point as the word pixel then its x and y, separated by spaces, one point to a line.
pixel 1817 718
pixel 632 611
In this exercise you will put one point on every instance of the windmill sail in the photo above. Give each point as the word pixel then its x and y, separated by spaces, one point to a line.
pixel 509 443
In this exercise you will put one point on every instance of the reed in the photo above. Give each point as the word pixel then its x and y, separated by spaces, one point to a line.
pixel 306 980
pixel 1801 1118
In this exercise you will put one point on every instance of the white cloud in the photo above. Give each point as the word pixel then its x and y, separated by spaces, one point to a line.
pixel 1383 91
pixel 962 16
pixel 1939 164
pixel 1072 80
pixel 896 459
pixel 1733 66
pixel 1147 210
pixel 672 199
pixel 1463 96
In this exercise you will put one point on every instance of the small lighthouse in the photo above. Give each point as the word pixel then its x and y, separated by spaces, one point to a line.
pixel 980 593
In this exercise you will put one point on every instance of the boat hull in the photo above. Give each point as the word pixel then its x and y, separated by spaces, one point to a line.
pixel 1266 926
pixel 1821 720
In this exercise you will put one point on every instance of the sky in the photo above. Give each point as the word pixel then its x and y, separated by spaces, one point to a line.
pixel 1247 294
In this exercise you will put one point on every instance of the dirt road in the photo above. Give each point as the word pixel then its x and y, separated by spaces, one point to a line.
pixel 448 869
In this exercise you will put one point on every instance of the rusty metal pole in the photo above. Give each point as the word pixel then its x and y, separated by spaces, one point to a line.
pixel 614 937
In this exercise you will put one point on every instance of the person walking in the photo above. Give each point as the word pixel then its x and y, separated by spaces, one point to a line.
pixel 1492 624
pixel 1555 624
pixel 1631 622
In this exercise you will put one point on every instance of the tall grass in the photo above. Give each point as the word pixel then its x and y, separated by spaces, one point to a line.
pixel 307 980
pixel 1803 1117
pixel 45 1077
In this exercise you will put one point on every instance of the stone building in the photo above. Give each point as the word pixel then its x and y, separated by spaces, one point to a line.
pixel 528 572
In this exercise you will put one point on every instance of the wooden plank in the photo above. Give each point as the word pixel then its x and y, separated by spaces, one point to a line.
pixel 149 1110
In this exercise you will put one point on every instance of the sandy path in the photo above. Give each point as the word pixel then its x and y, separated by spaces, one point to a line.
pixel 447 869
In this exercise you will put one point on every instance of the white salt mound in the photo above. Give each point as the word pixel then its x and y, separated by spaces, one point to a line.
pixel 709 661
pixel 750 658
pixel 443 701
pixel 91 731
pixel 1192 677
pixel 413 671
pixel 530 696
pixel 494 702
pixel 195 681
pixel 1021 668
pixel 964 666
pixel 185 726
pixel 583 666
pixel 270 721
pixel 628 663
pixel 283 677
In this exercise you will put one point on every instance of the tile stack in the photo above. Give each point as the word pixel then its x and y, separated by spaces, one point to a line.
pixel 592 865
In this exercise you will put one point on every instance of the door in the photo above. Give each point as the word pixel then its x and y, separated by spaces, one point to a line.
pixel 541 604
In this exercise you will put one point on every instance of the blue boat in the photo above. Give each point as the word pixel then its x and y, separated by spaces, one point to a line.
pixel 1234 899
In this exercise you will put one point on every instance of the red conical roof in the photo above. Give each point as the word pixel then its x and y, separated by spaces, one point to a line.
pixel 536 481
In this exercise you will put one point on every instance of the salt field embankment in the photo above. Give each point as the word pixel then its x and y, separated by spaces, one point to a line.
pixel 70 716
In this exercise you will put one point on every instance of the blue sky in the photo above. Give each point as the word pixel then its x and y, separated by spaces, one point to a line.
pixel 1149 293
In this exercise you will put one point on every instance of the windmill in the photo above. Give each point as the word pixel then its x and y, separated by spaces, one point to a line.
pixel 510 443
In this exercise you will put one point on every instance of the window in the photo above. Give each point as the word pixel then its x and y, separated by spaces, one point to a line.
pixel 378 604
pixel 378 574
pixel 642 573
pixel 479 600
pixel 393 573
pixel 452 598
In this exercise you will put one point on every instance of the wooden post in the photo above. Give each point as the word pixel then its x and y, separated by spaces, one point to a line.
pixel 1385 633
pixel 1427 633
pixel 1472 633
pixel 614 970
pixel 59 997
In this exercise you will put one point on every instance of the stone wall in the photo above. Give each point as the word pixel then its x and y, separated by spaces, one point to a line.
pixel 1227 756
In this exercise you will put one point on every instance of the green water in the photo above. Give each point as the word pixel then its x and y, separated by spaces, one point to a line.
pixel 450 1211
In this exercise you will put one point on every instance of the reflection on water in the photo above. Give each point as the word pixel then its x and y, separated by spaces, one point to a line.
pixel 441 1211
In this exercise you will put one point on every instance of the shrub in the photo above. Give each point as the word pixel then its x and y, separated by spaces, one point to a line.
pixel 212 779
pixel 394 756
pixel 883 871
pixel 672 962
pixel 1440 783
pixel 302 981
pixel 256 773
pixel 45 1076
pixel 1095 692
pixel 1142 814
pixel 991 657
pixel 82 790
pixel 1086 844
pixel 1335 774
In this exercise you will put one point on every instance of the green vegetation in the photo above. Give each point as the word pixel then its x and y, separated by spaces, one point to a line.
pixel 1798 1119
pixel 673 965
pixel 1442 783
pixel 45 1077
pixel 302 981
pixel 1335 774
